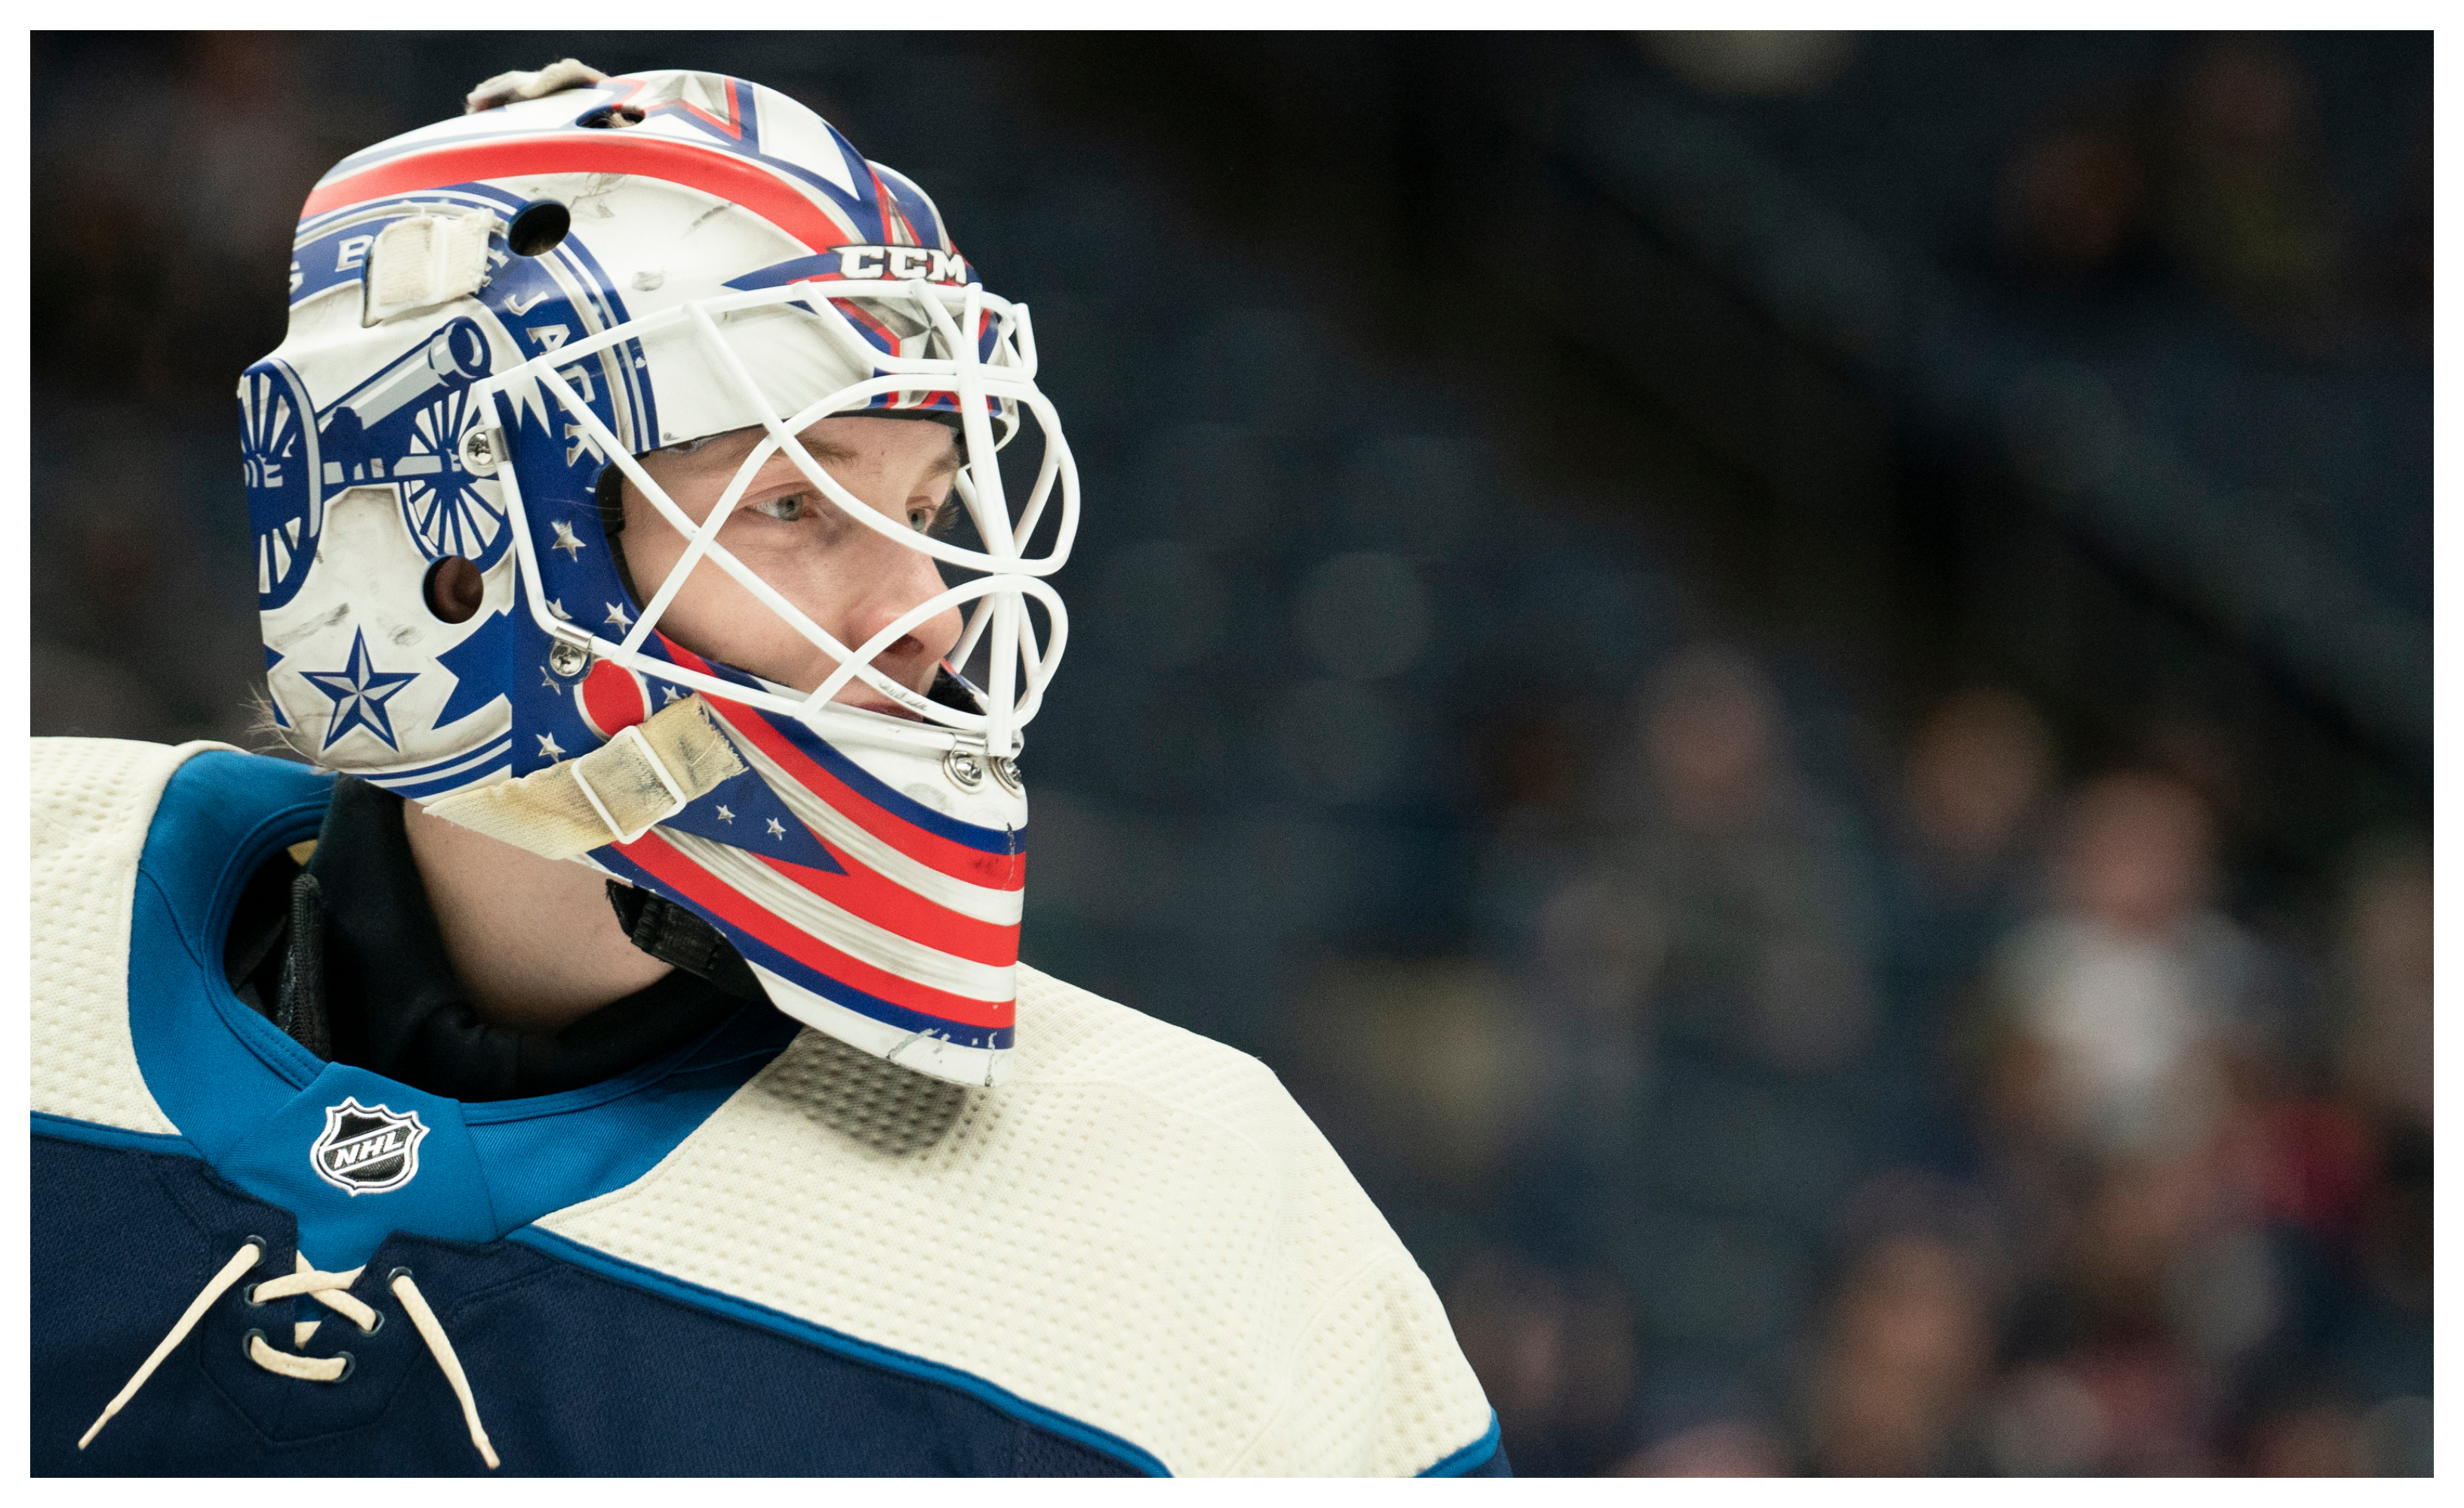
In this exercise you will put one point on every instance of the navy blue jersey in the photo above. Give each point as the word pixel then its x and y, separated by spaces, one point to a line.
pixel 763 1253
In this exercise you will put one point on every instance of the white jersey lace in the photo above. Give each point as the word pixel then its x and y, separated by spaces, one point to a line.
pixel 330 1289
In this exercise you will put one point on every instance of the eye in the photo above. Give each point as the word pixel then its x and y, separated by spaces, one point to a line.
pixel 788 509
pixel 921 518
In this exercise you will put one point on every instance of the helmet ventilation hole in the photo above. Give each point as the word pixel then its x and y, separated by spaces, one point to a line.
pixel 613 116
pixel 453 590
pixel 537 228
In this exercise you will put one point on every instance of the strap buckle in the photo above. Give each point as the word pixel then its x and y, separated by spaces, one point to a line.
pixel 678 798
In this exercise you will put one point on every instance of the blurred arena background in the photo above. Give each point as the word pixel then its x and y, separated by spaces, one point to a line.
pixel 1785 675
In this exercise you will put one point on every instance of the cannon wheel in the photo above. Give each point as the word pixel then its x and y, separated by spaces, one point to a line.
pixel 285 491
pixel 447 510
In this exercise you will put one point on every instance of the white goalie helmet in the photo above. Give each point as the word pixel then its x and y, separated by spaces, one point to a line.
pixel 489 314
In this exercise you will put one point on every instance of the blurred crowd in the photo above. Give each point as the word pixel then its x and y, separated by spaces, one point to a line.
pixel 2217 164
pixel 1950 1125
pixel 166 173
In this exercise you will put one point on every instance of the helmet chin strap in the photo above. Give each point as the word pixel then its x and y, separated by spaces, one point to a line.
pixel 613 794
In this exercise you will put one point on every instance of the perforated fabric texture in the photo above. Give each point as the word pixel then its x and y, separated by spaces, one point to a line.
pixel 93 799
pixel 1139 1229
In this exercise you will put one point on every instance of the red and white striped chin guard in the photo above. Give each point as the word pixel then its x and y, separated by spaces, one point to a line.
pixel 872 884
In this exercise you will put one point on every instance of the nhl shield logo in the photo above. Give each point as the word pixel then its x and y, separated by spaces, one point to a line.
pixel 367 1148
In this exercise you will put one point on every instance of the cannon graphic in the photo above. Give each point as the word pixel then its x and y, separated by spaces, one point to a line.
pixel 402 428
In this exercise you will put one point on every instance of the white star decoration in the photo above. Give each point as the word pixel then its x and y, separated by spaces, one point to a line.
pixel 556 607
pixel 777 831
pixel 565 541
pixel 549 681
pixel 616 616
pixel 726 815
pixel 670 694
pixel 548 750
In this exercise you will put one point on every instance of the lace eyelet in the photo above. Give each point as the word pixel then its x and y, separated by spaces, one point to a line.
pixel 375 1323
pixel 350 1364
pixel 264 1248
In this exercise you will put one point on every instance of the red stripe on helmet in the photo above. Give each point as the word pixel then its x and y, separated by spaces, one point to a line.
pixel 666 864
pixel 722 174
pixel 992 871
pixel 884 902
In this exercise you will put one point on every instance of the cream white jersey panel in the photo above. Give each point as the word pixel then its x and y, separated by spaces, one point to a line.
pixel 1138 1228
pixel 91 800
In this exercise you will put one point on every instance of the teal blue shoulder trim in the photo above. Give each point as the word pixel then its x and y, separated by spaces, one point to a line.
pixel 634 1275
pixel 1471 1457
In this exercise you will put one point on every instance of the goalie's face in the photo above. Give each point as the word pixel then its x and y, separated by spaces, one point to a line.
pixel 847 577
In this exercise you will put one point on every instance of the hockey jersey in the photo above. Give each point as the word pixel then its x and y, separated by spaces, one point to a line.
pixel 766 1253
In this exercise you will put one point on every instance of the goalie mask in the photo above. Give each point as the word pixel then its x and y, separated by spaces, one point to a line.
pixel 487 316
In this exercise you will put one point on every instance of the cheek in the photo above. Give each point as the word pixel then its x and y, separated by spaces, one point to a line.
pixel 650 544
pixel 710 614
pixel 650 553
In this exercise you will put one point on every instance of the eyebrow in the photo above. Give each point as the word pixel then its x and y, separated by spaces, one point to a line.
pixel 949 463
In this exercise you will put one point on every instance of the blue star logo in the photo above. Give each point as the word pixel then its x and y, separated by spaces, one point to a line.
pixel 360 692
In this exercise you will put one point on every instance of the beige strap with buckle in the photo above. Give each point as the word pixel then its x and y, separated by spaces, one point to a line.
pixel 614 793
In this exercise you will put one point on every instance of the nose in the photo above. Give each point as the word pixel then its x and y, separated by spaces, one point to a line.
pixel 898 580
